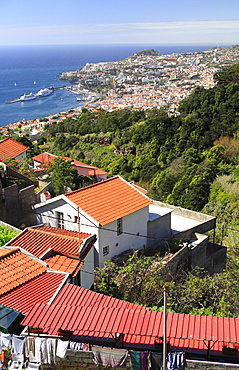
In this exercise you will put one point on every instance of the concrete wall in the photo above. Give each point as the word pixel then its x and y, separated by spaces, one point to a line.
pixel 12 172
pixel 206 222
pixel 216 258
pixel 16 206
pixel 158 229
pixel 199 253
pixel 207 365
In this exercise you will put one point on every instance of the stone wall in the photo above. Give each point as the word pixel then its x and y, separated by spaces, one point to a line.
pixel 207 365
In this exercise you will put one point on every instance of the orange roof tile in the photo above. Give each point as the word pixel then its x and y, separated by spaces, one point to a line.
pixel 65 264
pixel 108 200
pixel 47 159
pixel 38 240
pixel 16 269
pixel 10 148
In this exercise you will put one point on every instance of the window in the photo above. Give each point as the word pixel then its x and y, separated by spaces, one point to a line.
pixel 77 220
pixel 60 220
pixel 119 226
pixel 105 250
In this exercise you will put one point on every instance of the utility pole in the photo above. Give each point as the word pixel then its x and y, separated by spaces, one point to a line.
pixel 165 328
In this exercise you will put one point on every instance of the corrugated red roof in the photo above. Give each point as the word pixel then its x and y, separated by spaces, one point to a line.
pixel 38 240
pixel 38 290
pixel 74 295
pixel 17 268
pixel 109 200
pixel 10 148
pixel 65 264
pixel 140 327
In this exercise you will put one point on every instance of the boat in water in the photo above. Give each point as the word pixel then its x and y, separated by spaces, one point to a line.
pixel 44 92
pixel 26 97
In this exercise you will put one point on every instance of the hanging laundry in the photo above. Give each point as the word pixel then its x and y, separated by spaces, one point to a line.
pixel 144 360
pixel 18 344
pixel 76 346
pixel 62 346
pixel 155 360
pixel 29 346
pixel 51 350
pixel 180 360
pixel 171 362
pixel 5 340
pixel 41 350
pixel 110 357
pixel 176 360
pixel 135 360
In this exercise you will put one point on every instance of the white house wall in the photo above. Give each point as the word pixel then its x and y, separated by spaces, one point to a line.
pixel 133 224
pixel 134 227
pixel 87 270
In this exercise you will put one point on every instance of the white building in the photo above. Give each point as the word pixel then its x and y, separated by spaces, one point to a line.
pixel 114 210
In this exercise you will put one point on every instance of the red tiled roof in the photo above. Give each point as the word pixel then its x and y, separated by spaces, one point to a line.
pixel 46 159
pixel 38 240
pixel 10 148
pixel 38 290
pixel 141 327
pixel 65 264
pixel 16 269
pixel 108 200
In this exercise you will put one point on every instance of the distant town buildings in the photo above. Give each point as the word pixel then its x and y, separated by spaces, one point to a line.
pixel 140 82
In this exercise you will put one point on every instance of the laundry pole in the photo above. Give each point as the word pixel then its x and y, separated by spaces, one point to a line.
pixel 165 328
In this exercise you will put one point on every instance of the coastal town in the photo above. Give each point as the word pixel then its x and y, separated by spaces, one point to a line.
pixel 146 80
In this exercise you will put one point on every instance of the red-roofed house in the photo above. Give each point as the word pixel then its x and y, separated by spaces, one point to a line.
pixel 44 160
pixel 114 210
pixel 10 148
pixel 62 250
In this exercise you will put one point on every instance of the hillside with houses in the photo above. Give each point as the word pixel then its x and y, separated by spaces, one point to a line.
pixel 108 217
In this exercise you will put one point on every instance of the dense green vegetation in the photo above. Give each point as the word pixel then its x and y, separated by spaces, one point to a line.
pixel 191 160
pixel 141 279
pixel 6 234
pixel 178 158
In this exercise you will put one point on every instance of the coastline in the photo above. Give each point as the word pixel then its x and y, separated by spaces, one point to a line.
pixel 138 82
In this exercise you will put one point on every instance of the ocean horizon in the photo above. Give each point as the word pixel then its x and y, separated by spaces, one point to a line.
pixel 25 69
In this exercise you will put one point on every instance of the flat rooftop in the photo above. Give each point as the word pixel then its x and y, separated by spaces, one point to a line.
pixel 178 223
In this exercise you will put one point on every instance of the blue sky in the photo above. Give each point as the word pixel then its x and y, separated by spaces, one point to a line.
pixel 30 22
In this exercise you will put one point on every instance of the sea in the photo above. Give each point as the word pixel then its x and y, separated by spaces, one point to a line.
pixel 25 69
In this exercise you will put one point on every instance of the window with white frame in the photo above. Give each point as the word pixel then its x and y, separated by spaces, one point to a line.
pixel 119 226
pixel 60 220
pixel 105 250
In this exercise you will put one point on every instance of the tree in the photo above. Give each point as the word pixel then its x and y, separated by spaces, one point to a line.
pixel 63 176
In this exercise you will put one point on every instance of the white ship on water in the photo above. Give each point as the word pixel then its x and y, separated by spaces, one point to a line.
pixel 25 97
pixel 44 92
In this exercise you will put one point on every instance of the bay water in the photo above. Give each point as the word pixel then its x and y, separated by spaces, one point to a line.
pixel 25 69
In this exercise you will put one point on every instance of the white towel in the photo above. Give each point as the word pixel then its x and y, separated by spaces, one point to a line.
pixel 61 348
